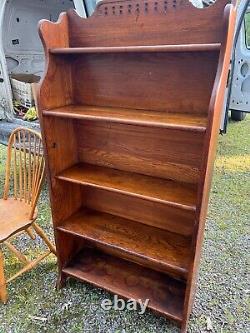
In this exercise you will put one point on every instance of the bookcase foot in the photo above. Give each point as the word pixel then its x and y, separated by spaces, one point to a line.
pixel 184 327
pixel 61 281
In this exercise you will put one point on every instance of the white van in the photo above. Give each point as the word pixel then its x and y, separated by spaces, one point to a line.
pixel 21 50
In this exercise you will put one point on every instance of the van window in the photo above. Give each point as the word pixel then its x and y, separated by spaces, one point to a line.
pixel 247 25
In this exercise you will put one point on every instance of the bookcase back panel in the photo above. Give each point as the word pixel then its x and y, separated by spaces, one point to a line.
pixel 158 152
pixel 159 81
pixel 151 213
pixel 148 23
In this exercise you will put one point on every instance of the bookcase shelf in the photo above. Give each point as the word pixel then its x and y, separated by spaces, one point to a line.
pixel 130 112
pixel 183 121
pixel 165 252
pixel 130 280
pixel 148 188
pixel 138 48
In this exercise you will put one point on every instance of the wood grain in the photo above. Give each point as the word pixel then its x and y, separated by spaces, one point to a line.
pixel 55 34
pixel 137 23
pixel 3 289
pixel 152 213
pixel 144 83
pixel 138 48
pixel 148 188
pixel 24 166
pixel 18 212
pixel 15 216
pixel 60 148
pixel 141 103
pixel 215 108
pixel 158 152
pixel 165 251
pixel 188 122
pixel 129 281
pixel 63 154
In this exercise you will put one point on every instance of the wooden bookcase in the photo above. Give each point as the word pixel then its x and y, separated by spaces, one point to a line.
pixel 130 108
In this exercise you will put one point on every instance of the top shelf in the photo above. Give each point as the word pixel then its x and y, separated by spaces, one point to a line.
pixel 141 48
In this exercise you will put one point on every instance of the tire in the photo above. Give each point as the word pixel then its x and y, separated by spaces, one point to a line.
pixel 238 115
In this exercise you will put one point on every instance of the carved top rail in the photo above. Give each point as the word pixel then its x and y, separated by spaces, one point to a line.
pixel 138 22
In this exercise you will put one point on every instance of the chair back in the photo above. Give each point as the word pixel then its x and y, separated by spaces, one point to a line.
pixel 25 166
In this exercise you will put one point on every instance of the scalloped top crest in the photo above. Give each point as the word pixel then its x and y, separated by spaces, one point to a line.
pixel 135 7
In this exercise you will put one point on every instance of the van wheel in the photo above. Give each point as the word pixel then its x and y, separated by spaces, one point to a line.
pixel 238 115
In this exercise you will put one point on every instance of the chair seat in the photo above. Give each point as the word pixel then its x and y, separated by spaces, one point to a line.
pixel 14 217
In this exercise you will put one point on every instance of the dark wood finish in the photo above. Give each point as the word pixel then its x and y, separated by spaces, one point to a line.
pixel 177 220
pixel 142 48
pixel 158 152
pixel 215 106
pixel 165 251
pixel 130 109
pixel 148 188
pixel 129 281
pixel 144 83
pixel 189 122
pixel 140 23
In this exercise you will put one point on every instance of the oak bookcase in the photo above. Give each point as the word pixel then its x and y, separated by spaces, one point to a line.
pixel 130 108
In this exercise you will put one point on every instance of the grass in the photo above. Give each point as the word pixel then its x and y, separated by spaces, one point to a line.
pixel 222 292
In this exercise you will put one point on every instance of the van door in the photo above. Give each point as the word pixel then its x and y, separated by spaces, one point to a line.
pixel 21 49
pixel 5 89
pixel 240 90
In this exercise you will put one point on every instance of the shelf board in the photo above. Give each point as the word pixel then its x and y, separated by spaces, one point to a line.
pixel 128 280
pixel 138 48
pixel 163 250
pixel 163 119
pixel 172 193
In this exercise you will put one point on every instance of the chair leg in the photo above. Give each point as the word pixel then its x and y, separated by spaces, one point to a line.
pixel 30 232
pixel 17 253
pixel 3 288
pixel 30 266
pixel 42 234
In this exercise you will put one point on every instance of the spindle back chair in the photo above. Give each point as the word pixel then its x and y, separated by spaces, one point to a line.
pixel 25 171
pixel 25 162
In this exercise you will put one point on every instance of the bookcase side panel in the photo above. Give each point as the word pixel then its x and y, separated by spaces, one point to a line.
pixel 58 135
pixel 211 140
pixel 56 84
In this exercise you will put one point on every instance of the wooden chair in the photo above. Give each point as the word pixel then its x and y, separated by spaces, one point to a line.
pixel 18 212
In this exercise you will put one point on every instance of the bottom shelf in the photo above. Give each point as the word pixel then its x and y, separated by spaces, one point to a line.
pixel 129 280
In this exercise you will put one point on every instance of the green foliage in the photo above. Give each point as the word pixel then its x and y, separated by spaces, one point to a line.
pixel 31 114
